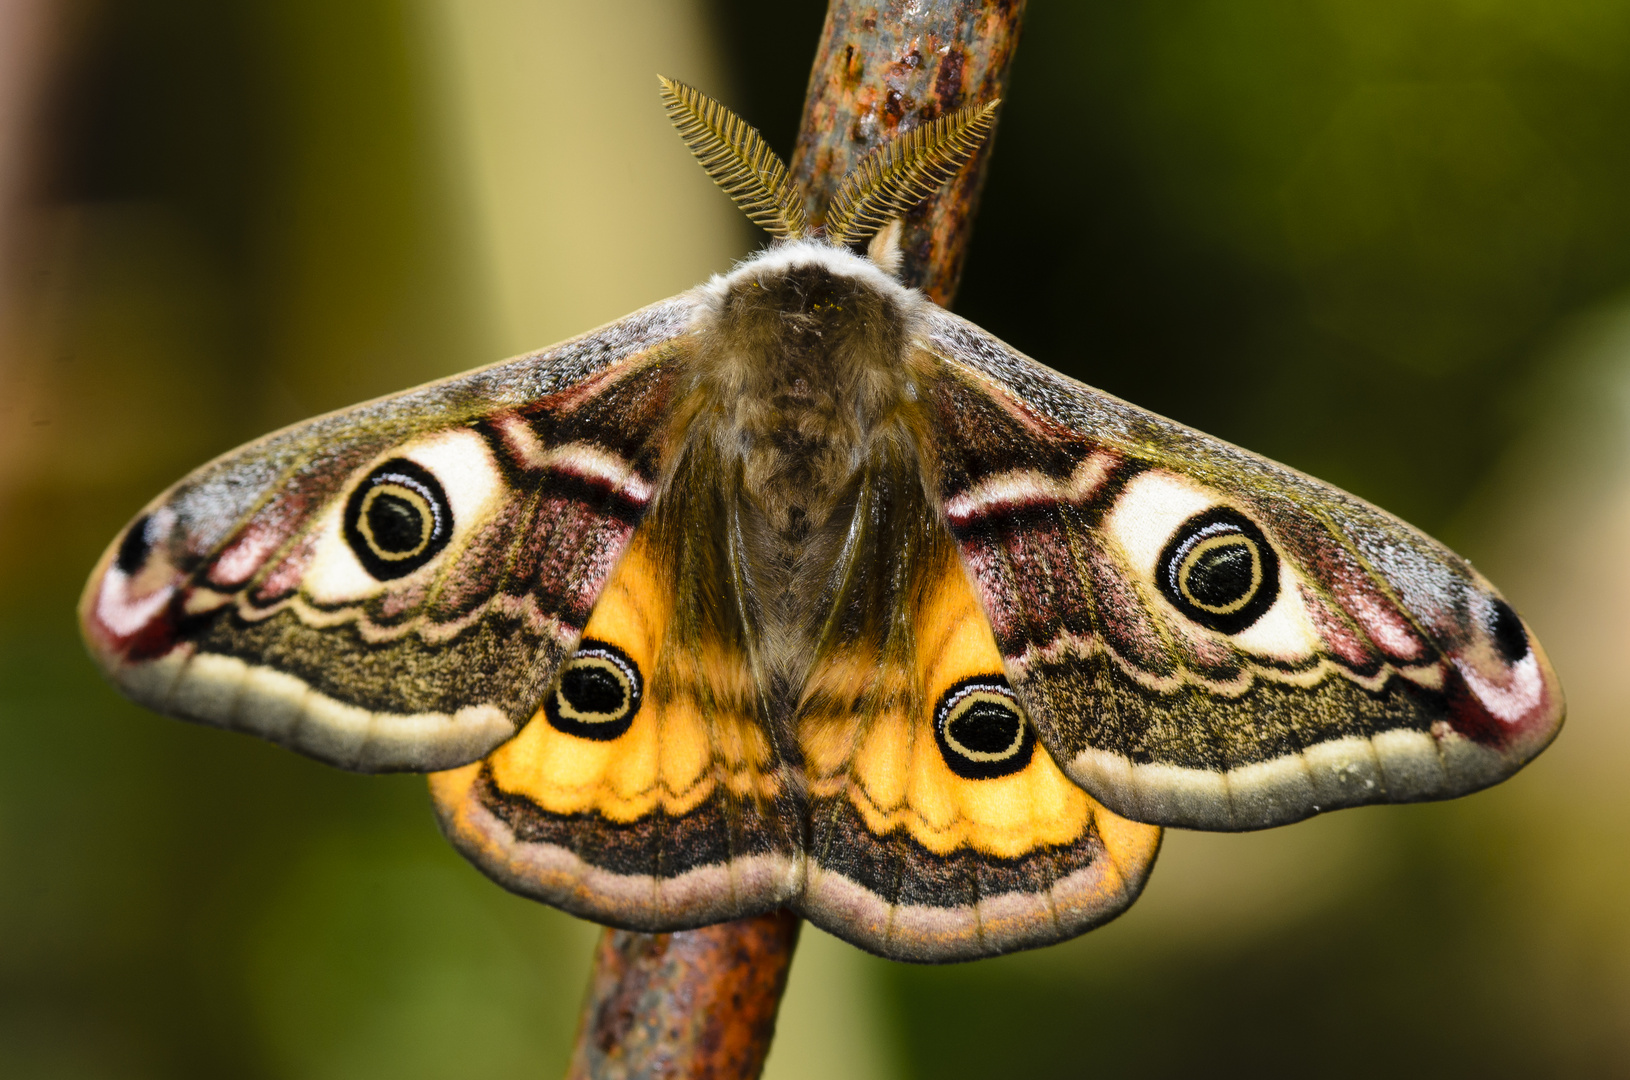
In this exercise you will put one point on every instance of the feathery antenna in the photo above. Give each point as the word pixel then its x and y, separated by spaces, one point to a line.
pixel 737 158
pixel 903 171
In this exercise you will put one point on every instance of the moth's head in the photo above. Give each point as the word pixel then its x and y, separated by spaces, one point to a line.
pixel 825 283
pixel 870 201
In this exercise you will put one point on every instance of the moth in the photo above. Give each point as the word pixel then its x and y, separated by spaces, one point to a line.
pixel 797 589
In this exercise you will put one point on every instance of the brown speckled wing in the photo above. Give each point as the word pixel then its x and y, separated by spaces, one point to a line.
pixel 393 586
pixel 1205 638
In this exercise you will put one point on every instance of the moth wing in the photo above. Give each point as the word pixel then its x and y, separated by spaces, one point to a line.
pixel 938 829
pixel 392 586
pixel 1205 638
pixel 649 790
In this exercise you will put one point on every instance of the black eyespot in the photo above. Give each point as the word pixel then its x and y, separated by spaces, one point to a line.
pixel 597 694
pixel 1508 633
pixel 397 519
pixel 981 731
pixel 135 547
pixel 1219 570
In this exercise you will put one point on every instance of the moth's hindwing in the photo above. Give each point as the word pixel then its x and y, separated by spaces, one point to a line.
pixel 938 828
pixel 1205 638
pixel 651 789
pixel 647 791
pixel 392 586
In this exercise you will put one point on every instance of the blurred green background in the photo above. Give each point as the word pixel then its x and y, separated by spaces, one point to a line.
pixel 1386 241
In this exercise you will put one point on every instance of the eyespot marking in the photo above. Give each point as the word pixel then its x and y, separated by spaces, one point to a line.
pixel 135 547
pixel 397 519
pixel 596 694
pixel 981 730
pixel 1510 638
pixel 1219 570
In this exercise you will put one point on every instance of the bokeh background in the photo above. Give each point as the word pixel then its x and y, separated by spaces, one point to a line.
pixel 1386 241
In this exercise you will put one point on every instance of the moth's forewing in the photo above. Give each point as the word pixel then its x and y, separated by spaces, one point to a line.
pixel 1205 638
pixel 392 586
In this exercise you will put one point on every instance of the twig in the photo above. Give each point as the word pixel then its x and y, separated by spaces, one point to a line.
pixel 886 68
pixel 702 1003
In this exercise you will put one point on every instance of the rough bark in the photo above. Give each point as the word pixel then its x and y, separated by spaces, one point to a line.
pixel 886 68
pixel 700 1003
